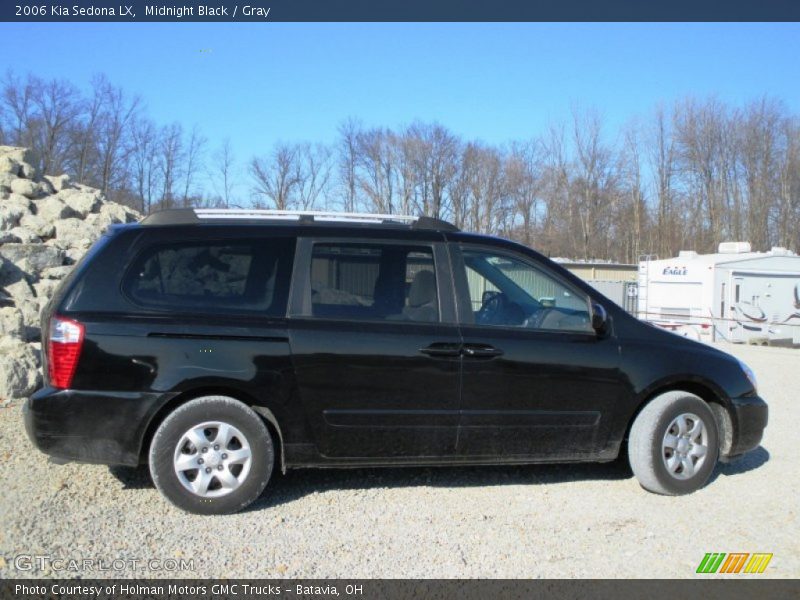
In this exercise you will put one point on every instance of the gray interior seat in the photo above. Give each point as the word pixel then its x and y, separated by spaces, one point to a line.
pixel 422 298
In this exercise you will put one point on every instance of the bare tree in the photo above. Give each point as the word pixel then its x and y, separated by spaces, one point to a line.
pixel 689 176
pixel 349 132
pixel 788 205
pixel 313 171
pixel 275 176
pixel 224 160
pixel 57 105
pixel 436 159
pixel 85 136
pixel 171 157
pixel 662 165
pixel 376 169
pixel 483 168
pixel 629 232
pixel 117 114
pixel 594 170
pixel 144 161
pixel 18 110
pixel 192 158
pixel 523 177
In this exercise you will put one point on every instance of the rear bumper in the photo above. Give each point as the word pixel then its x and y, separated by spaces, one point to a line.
pixel 92 427
pixel 749 416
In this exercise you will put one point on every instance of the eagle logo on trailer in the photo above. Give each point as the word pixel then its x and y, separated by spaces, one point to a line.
pixel 674 270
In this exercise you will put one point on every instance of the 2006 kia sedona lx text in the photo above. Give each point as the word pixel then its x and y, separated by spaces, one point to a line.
pixel 219 345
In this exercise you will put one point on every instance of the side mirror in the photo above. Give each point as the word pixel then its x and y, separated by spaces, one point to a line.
pixel 599 318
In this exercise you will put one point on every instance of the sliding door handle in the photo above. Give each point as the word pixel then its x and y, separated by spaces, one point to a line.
pixel 481 351
pixel 441 349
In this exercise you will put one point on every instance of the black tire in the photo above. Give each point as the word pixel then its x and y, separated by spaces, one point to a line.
pixel 646 445
pixel 202 410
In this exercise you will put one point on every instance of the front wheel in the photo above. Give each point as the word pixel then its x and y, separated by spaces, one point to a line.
pixel 212 455
pixel 674 444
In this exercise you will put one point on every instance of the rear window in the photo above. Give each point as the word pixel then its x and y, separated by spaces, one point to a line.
pixel 243 275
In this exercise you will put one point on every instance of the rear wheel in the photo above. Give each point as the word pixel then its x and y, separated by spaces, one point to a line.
pixel 212 455
pixel 674 444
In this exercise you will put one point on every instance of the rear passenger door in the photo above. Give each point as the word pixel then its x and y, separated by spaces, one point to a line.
pixel 375 347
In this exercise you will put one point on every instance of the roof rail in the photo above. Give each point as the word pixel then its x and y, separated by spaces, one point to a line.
pixel 186 216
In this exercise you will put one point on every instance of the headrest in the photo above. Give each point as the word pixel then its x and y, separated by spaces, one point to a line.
pixel 423 289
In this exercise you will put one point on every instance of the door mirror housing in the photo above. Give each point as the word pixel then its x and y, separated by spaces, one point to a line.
pixel 599 318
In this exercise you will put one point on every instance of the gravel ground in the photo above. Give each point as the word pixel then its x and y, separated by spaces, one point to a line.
pixel 540 521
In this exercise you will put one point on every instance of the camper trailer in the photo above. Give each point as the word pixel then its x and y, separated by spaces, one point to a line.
pixel 734 295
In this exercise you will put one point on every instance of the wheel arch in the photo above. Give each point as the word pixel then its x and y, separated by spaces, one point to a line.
pixel 717 401
pixel 171 405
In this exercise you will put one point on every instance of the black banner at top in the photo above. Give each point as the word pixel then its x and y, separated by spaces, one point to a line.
pixel 129 11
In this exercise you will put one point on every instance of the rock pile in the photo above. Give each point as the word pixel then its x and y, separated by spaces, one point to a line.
pixel 46 225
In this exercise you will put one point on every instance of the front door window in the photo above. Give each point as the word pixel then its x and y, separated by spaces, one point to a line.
pixel 507 291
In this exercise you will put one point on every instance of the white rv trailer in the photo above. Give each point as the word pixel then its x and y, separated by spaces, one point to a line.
pixel 735 295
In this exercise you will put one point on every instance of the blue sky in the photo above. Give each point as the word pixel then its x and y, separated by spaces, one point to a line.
pixel 260 83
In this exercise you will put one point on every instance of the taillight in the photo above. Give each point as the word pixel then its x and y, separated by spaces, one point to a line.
pixel 63 350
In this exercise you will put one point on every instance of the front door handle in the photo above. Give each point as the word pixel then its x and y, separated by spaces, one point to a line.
pixel 442 349
pixel 481 351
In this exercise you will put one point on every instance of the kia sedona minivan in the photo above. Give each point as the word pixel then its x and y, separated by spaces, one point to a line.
pixel 220 345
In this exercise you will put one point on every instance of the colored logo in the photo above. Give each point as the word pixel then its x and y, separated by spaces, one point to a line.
pixel 735 562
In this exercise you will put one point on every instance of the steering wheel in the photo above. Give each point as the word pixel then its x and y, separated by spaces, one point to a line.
pixel 492 309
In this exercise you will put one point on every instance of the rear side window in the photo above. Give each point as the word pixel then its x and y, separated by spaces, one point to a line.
pixel 236 276
pixel 374 281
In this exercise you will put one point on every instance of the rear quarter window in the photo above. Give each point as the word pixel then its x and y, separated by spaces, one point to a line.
pixel 249 276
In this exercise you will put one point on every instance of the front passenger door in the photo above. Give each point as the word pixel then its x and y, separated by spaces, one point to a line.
pixel 538 381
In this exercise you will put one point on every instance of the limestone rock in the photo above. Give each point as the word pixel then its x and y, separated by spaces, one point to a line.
pixel 56 272
pixel 32 258
pixel 26 188
pixel 46 225
pixel 58 182
pixel 6 237
pixel 73 255
pixel 9 166
pixel 27 171
pixel 46 188
pixel 25 235
pixel 17 154
pixel 19 370
pixel 11 322
pixel 81 202
pixel 51 208
pixel 18 202
pixel 111 213
pixel 44 291
pixel 12 209
pixel 6 177
pixel 39 226
pixel 25 301
pixel 76 233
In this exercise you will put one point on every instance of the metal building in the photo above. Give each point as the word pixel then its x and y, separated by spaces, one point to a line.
pixel 616 281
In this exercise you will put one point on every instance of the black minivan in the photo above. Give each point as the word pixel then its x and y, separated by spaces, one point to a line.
pixel 216 345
